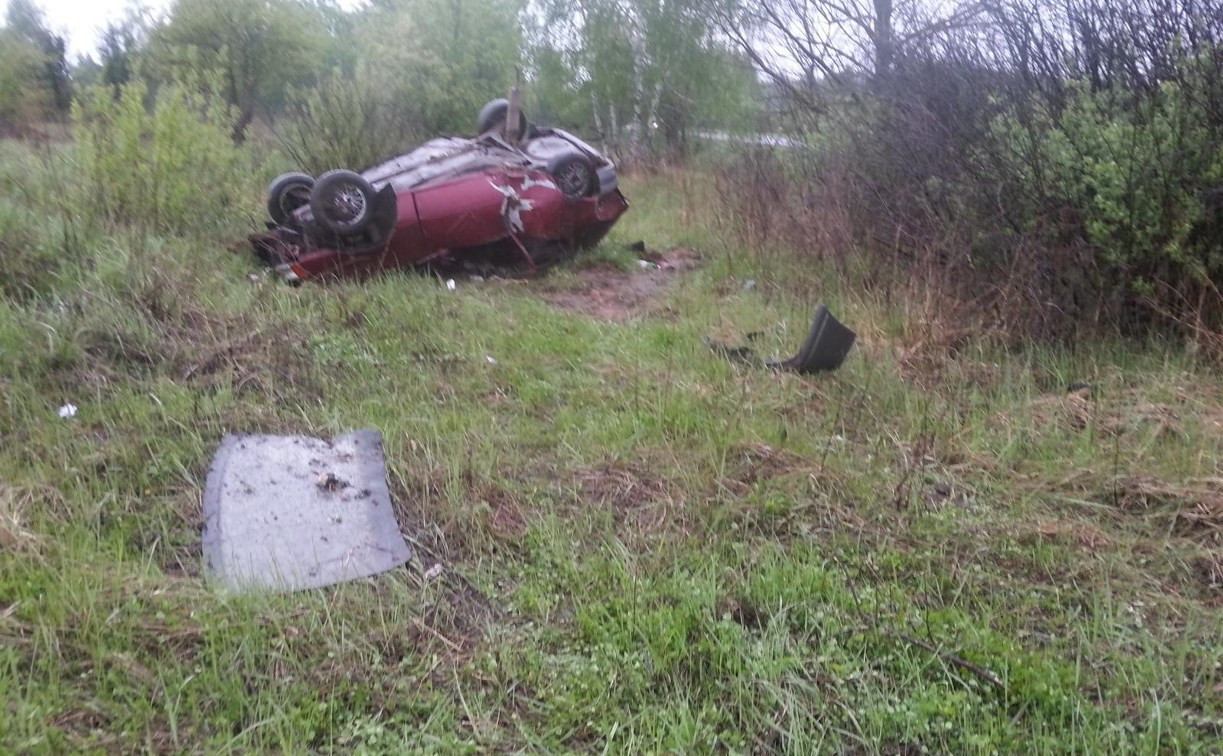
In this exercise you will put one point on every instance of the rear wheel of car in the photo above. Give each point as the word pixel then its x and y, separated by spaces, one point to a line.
pixel 343 202
pixel 574 175
pixel 286 194
pixel 493 116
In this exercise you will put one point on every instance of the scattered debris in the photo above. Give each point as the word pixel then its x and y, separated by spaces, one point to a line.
pixel 749 284
pixel 490 359
pixel 827 345
pixel 67 411
pixel 477 279
pixel 450 285
pixel 648 265
pixel 292 512
pixel 434 572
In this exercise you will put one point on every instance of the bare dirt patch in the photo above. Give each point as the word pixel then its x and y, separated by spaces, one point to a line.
pixel 609 293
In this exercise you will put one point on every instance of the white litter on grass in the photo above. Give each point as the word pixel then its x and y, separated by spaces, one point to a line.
pixel 491 360
pixel 477 279
pixel 434 572
pixel 450 284
pixel 648 265
pixel 67 411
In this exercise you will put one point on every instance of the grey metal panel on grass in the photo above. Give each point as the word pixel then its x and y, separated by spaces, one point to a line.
pixel 292 512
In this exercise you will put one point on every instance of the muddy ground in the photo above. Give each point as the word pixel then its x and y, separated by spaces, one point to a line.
pixel 607 292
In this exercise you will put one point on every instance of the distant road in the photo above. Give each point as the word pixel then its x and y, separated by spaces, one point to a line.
pixel 763 140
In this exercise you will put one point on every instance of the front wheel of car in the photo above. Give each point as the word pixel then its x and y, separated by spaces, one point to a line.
pixel 343 202
pixel 286 194
pixel 574 175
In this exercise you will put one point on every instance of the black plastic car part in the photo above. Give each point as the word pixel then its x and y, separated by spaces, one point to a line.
pixel 827 345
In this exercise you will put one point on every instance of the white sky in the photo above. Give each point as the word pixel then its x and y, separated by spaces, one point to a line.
pixel 82 21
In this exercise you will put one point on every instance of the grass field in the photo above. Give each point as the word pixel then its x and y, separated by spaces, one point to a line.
pixel 643 548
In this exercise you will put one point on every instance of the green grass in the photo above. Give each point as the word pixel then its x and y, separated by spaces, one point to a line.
pixel 645 548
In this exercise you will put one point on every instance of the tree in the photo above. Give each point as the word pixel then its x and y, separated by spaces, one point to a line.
pixel 86 72
pixel 259 48
pixel 121 45
pixel 444 57
pixel 26 22
pixel 22 97
pixel 802 45
pixel 116 49
pixel 642 66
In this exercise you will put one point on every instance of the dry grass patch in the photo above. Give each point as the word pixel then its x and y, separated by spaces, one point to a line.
pixel 643 506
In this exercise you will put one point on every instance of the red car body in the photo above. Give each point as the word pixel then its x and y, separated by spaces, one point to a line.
pixel 454 198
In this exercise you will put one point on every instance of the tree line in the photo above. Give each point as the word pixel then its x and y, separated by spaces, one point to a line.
pixel 640 74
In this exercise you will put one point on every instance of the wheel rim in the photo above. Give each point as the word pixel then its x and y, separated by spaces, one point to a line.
pixel 294 197
pixel 347 205
pixel 572 179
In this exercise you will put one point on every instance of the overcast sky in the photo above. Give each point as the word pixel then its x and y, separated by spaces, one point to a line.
pixel 81 21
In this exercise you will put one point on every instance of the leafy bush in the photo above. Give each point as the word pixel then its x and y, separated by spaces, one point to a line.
pixel 348 122
pixel 22 100
pixel 1136 176
pixel 162 162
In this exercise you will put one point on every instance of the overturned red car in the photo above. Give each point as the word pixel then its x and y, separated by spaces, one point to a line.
pixel 497 197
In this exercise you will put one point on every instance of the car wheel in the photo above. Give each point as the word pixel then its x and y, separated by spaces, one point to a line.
pixel 343 202
pixel 286 194
pixel 574 175
pixel 493 116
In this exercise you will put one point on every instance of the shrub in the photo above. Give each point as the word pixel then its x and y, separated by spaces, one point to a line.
pixel 1050 215
pixel 22 98
pixel 347 122
pixel 163 162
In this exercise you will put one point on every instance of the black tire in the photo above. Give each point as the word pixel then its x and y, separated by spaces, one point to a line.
pixel 574 175
pixel 342 202
pixel 493 116
pixel 286 194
